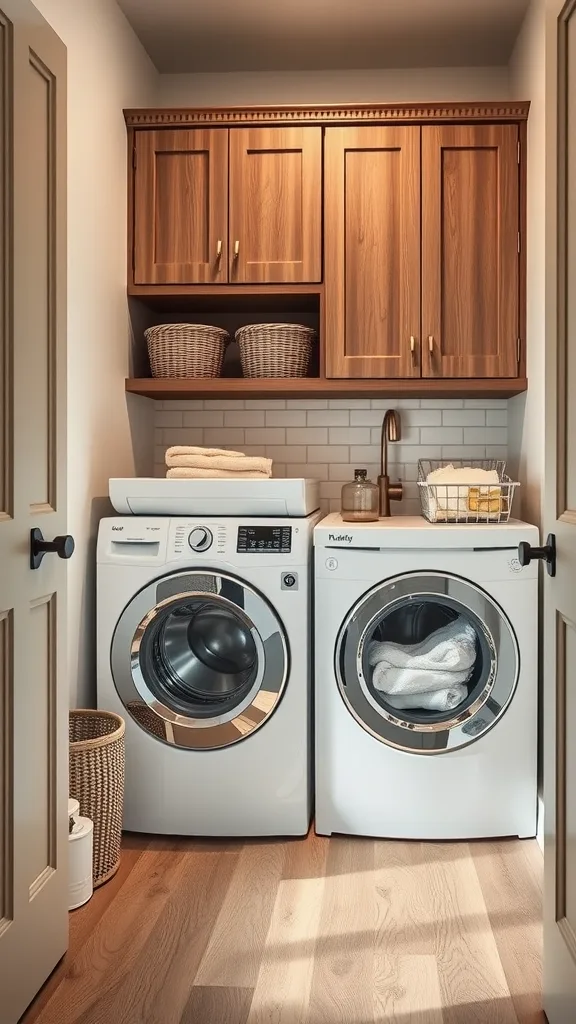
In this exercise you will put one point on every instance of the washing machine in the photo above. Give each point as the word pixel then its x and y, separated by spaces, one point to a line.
pixel 203 646
pixel 463 773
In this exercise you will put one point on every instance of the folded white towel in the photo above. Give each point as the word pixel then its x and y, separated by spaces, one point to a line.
pixel 231 463
pixel 449 491
pixel 439 700
pixel 185 449
pixel 444 658
pixel 189 473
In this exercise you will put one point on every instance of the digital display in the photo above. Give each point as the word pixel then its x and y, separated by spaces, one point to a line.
pixel 264 540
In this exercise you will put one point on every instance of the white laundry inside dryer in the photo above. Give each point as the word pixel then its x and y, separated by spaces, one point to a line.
pixel 423 657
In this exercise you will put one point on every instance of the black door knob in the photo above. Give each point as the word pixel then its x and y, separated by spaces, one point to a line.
pixel 62 546
pixel 547 553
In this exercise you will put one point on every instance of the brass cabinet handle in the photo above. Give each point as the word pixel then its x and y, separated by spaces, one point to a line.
pixel 236 249
pixel 219 249
pixel 431 344
pixel 412 344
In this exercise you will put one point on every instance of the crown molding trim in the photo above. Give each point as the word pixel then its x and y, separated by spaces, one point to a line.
pixel 325 115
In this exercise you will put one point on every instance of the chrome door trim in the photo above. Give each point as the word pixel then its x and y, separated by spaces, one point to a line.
pixel 463 728
pixel 183 730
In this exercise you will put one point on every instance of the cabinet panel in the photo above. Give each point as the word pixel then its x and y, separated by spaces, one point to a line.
pixel 181 207
pixel 372 252
pixel 275 204
pixel 470 261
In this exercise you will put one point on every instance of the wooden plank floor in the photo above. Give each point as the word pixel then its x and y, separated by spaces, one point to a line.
pixel 315 931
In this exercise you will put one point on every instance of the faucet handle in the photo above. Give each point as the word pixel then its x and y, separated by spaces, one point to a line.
pixel 395 491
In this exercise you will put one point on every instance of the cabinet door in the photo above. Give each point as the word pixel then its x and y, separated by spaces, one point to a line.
pixel 275 204
pixel 470 223
pixel 181 207
pixel 372 252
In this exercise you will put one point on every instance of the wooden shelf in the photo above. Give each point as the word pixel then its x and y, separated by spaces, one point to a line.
pixel 315 387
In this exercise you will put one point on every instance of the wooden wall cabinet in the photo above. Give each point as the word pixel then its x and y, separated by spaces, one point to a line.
pixel 222 206
pixel 422 249
pixel 395 230
pixel 372 246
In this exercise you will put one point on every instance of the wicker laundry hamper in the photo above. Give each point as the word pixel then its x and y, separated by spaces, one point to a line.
pixel 186 350
pixel 275 350
pixel 97 781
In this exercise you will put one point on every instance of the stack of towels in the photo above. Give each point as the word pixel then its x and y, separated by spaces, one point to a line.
pixel 452 495
pixel 432 674
pixel 188 463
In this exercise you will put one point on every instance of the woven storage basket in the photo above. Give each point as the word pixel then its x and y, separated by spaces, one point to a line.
pixel 186 350
pixel 275 350
pixel 97 782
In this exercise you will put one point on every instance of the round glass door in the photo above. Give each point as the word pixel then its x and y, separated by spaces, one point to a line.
pixel 200 659
pixel 427 662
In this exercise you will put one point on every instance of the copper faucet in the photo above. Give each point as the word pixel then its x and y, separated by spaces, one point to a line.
pixel 391 431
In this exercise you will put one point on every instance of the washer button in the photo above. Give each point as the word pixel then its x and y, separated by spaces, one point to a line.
pixel 331 563
pixel 289 581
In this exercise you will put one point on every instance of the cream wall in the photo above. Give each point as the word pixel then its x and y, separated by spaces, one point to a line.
pixel 409 84
pixel 526 413
pixel 107 70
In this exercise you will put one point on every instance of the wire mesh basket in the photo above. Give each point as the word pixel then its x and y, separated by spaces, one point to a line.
pixel 464 501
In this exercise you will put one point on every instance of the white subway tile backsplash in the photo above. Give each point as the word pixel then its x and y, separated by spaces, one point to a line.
pixel 267 435
pixel 496 417
pixel 328 417
pixel 286 418
pixel 464 417
pixel 307 403
pixel 224 437
pixel 203 418
pixel 307 435
pixel 328 453
pixel 265 403
pixel 350 435
pixel 349 403
pixel 329 439
pixel 169 418
pixel 183 435
pixel 441 435
pixel 485 435
pixel 302 469
pixel 286 453
pixel 224 403
pixel 244 418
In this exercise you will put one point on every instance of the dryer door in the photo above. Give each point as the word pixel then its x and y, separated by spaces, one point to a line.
pixel 427 662
pixel 200 659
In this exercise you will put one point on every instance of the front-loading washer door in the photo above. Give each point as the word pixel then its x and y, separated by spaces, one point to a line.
pixel 200 659
pixel 433 638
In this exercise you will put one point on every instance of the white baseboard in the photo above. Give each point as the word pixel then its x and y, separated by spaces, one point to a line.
pixel 540 830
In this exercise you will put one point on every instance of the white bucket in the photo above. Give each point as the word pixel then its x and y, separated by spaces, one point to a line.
pixel 80 844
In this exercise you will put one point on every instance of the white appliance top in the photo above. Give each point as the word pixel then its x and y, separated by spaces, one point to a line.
pixel 416 532
pixel 162 497
pixel 243 542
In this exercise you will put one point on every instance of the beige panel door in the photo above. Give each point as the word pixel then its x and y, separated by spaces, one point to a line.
pixel 560 489
pixel 470 258
pixel 372 252
pixel 33 684
pixel 275 205
pixel 181 206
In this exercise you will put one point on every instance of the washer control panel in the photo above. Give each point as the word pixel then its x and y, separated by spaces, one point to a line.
pixel 256 539
pixel 200 538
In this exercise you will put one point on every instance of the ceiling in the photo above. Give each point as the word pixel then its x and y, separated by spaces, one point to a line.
pixel 303 35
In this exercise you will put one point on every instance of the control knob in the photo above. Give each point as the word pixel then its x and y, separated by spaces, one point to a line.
pixel 200 539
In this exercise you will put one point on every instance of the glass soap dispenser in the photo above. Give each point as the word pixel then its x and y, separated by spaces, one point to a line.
pixel 360 499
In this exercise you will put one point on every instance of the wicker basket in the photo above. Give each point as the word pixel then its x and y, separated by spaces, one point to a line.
pixel 275 350
pixel 97 782
pixel 186 350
